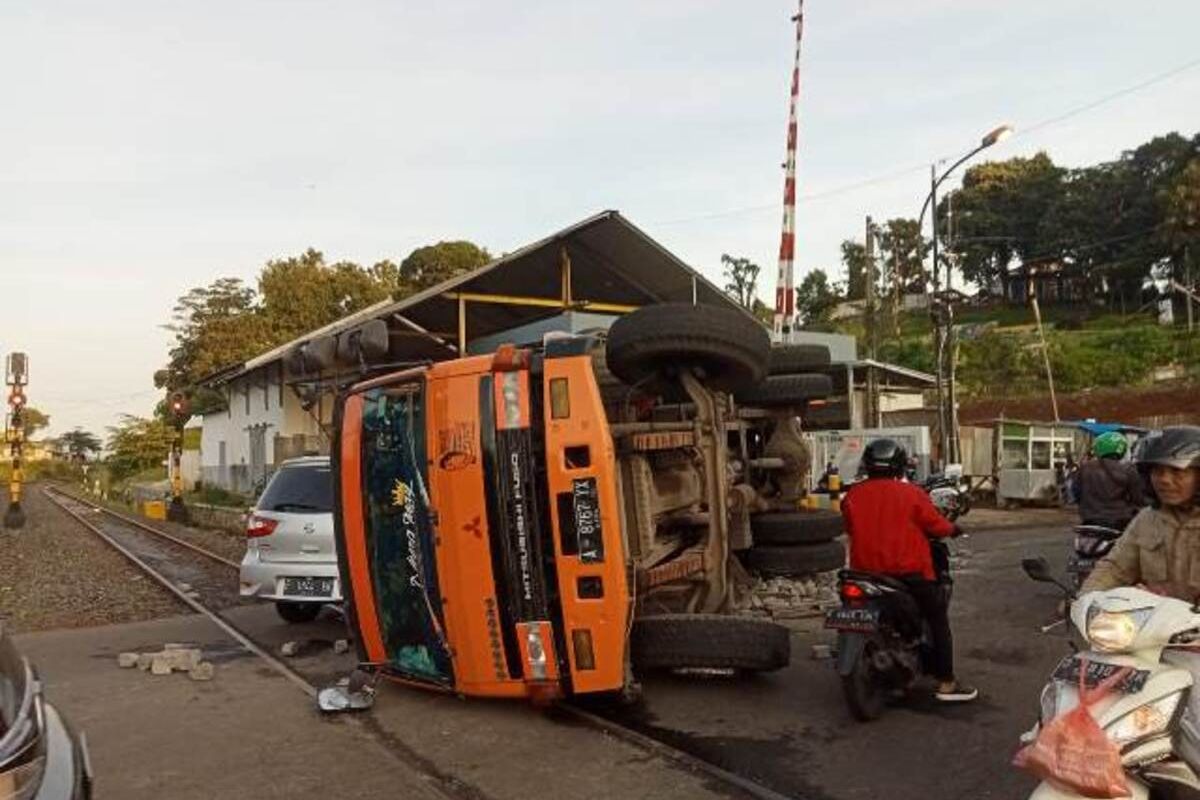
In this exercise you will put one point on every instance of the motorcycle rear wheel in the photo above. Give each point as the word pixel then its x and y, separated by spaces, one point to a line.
pixel 864 695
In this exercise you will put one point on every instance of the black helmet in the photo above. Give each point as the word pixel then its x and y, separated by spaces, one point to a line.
pixel 885 458
pixel 1177 447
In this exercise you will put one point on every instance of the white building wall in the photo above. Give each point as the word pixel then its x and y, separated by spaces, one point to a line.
pixel 252 402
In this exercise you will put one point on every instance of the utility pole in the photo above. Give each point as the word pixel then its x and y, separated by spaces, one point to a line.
pixel 1037 316
pixel 873 411
pixel 939 341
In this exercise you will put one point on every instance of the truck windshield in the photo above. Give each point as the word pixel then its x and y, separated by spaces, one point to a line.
pixel 399 532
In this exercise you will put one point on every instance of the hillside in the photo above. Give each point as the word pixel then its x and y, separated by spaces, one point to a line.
pixel 1000 358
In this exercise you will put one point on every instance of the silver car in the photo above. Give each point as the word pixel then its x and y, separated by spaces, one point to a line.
pixel 290 556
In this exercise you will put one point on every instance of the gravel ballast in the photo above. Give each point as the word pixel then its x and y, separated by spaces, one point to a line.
pixel 54 573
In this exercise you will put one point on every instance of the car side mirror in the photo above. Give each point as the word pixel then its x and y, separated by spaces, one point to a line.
pixel 1038 569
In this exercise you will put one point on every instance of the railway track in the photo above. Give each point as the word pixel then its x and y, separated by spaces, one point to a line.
pixel 205 582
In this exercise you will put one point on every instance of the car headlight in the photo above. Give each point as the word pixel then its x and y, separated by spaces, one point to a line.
pixel 1114 631
pixel 1148 720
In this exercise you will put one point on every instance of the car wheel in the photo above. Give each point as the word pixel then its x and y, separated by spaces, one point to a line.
pixel 296 613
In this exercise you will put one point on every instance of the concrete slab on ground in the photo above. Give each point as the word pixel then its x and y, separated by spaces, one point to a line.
pixel 250 732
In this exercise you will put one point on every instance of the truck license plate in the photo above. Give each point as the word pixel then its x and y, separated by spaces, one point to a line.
pixel 586 506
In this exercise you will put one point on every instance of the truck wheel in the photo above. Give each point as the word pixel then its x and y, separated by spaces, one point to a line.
pixel 790 561
pixel 796 527
pixel 787 359
pixel 787 390
pixel 709 641
pixel 728 347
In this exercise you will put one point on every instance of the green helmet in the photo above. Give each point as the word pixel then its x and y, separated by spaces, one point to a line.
pixel 1110 445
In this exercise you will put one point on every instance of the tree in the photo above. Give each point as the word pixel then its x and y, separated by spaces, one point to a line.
pixel 903 249
pixel 33 421
pixel 137 443
pixel 214 326
pixel 79 443
pixel 816 297
pixel 303 293
pixel 999 215
pixel 1181 204
pixel 430 265
pixel 854 259
pixel 741 275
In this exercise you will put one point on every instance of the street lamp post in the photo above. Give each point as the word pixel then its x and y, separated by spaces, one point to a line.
pixel 943 313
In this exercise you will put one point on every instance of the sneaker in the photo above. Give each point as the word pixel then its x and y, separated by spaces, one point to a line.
pixel 961 693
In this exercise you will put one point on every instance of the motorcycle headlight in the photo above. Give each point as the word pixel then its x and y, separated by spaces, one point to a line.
pixel 1114 631
pixel 1148 720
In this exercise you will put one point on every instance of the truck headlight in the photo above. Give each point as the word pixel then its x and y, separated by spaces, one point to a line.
pixel 1148 720
pixel 536 649
pixel 1114 631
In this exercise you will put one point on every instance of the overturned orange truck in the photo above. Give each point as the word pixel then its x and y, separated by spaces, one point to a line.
pixel 545 522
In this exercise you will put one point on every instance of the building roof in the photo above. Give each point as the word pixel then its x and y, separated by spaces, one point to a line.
pixel 912 376
pixel 613 263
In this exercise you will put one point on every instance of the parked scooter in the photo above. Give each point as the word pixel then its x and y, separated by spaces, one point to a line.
pixel 1129 629
pixel 1092 543
pixel 949 492
pixel 884 644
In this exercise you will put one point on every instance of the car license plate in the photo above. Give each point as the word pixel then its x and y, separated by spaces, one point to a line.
pixel 1100 671
pixel 586 506
pixel 308 587
pixel 863 620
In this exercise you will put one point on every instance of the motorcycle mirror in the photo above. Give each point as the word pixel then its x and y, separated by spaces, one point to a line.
pixel 1038 569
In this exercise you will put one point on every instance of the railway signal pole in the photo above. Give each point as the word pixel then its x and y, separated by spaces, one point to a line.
pixel 16 376
pixel 179 410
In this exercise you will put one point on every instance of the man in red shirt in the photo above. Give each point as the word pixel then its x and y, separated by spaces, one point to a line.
pixel 890 523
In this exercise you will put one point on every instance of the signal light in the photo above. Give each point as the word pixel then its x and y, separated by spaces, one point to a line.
pixel 16 398
pixel 177 404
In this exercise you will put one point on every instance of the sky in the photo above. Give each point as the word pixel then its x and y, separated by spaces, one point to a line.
pixel 151 146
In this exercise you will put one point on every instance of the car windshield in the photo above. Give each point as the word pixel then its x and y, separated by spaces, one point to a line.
pixel 300 489
pixel 400 532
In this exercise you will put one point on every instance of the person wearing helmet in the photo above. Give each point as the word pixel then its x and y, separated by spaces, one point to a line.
pixel 1161 547
pixel 890 523
pixel 1110 490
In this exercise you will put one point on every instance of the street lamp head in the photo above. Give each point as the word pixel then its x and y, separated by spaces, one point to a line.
pixel 998 135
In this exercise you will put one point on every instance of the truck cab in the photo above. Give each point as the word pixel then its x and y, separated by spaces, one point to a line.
pixel 479 527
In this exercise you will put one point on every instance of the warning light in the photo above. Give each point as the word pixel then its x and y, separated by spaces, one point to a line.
pixel 178 406
pixel 16 398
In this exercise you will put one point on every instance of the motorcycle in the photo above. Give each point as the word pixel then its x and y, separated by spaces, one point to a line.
pixel 1128 629
pixel 949 492
pixel 883 644
pixel 1092 543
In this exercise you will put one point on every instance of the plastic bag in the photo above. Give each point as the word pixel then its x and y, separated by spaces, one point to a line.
pixel 1074 752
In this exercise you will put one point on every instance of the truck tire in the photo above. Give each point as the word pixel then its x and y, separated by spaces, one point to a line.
pixel 793 561
pixel 728 347
pixel 786 528
pixel 787 390
pixel 788 359
pixel 709 641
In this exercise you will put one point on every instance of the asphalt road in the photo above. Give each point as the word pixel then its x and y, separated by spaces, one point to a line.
pixel 791 730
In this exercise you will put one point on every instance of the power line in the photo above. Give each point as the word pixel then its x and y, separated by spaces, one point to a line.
pixel 904 172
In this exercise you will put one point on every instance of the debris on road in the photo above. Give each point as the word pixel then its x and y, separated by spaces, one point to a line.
pixel 172 658
pixel 341 646
pixel 821 652
pixel 289 649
